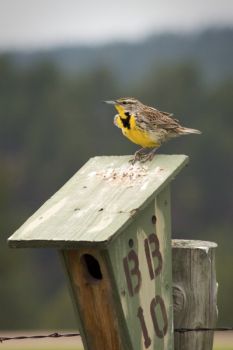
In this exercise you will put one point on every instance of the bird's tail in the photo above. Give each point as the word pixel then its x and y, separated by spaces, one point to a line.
pixel 187 131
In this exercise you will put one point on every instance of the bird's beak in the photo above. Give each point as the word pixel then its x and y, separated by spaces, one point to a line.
pixel 110 102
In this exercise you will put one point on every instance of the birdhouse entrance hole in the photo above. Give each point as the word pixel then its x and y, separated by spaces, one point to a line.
pixel 92 267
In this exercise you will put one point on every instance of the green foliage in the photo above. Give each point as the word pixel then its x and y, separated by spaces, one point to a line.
pixel 52 123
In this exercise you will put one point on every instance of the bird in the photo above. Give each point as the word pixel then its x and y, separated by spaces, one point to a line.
pixel 146 126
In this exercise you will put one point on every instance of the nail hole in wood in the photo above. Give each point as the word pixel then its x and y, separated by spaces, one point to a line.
pixel 131 243
pixel 153 219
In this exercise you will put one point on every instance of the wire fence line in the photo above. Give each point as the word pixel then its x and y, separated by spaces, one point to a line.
pixel 53 335
pixel 69 335
pixel 203 329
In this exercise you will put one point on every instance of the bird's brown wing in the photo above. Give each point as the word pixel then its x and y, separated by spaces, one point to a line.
pixel 159 119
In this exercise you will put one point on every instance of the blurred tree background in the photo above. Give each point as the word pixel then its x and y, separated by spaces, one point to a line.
pixel 52 121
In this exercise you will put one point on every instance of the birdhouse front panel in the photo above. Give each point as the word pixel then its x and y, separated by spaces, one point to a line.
pixel 141 262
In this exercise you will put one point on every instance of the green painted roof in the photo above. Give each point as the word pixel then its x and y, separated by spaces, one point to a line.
pixel 97 202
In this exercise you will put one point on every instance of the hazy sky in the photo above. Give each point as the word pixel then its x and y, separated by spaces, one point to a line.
pixel 31 23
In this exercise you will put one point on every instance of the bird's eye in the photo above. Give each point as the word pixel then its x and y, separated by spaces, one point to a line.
pixel 124 102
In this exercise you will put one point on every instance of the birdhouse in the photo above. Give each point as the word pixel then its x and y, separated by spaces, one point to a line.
pixel 111 222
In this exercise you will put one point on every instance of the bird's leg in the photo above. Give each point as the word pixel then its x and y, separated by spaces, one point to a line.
pixel 149 156
pixel 138 155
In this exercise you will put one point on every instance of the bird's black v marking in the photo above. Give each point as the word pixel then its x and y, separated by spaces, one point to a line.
pixel 126 121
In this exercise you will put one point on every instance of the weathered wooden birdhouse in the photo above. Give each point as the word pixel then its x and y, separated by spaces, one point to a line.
pixel 111 221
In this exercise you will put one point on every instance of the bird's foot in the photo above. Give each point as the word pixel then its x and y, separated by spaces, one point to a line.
pixel 143 156
pixel 138 155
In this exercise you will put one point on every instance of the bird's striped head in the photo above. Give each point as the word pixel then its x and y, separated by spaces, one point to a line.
pixel 126 104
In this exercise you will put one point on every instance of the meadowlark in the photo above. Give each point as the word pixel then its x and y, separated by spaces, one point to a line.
pixel 146 126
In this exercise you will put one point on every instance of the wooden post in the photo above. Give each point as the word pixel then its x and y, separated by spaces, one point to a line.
pixel 194 292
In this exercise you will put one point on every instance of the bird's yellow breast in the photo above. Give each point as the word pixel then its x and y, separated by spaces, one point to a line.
pixel 127 123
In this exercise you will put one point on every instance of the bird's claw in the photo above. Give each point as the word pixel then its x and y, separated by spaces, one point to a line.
pixel 142 156
pixel 138 156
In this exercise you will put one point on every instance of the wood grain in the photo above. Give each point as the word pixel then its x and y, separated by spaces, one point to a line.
pixel 194 292
pixel 94 299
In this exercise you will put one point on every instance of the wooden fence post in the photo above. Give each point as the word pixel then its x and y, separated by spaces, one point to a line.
pixel 194 293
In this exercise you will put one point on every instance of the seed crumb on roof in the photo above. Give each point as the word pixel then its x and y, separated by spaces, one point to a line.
pixel 126 174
